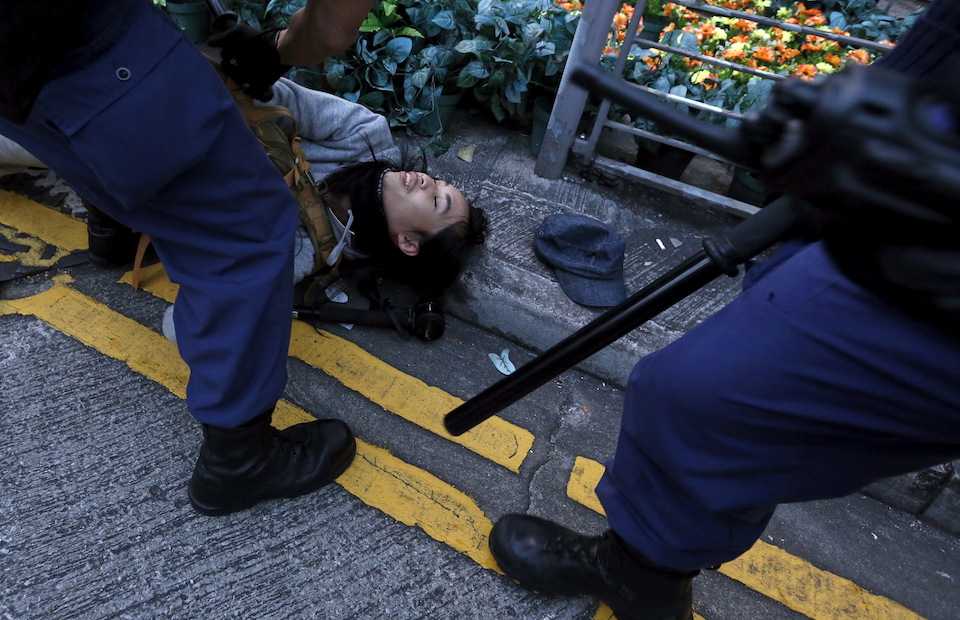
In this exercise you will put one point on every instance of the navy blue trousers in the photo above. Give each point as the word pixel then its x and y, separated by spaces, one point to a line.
pixel 805 387
pixel 149 134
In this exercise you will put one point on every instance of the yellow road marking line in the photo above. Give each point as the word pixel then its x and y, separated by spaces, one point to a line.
pixel 36 248
pixel 414 497
pixel 771 571
pixel 153 279
pixel 498 440
pixel 42 222
pixel 408 397
pixel 379 479
pixel 96 325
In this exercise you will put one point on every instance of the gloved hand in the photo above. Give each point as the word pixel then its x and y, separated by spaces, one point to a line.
pixel 249 56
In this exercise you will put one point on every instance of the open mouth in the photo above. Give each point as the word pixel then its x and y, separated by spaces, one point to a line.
pixel 408 179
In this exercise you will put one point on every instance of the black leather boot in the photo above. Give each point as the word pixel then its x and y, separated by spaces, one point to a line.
pixel 551 559
pixel 110 243
pixel 239 467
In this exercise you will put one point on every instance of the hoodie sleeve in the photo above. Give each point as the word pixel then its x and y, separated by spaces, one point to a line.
pixel 334 131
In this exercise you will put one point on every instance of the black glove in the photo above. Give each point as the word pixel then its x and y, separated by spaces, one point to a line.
pixel 249 56
pixel 917 269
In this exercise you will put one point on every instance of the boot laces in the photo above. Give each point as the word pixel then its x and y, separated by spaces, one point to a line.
pixel 582 547
pixel 289 441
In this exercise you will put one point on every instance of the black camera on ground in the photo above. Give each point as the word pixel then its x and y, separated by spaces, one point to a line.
pixel 425 320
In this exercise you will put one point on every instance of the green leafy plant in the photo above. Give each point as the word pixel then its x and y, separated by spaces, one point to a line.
pixel 433 70
pixel 516 45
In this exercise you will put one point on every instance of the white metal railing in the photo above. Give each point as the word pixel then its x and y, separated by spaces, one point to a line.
pixel 588 45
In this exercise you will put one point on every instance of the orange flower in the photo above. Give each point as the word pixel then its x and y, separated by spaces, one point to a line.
pixel 833 59
pixel 745 25
pixel 765 54
pixel 706 31
pixel 740 38
pixel 861 56
pixel 806 72
pixel 786 54
pixel 652 62
pixel 815 20
pixel 731 54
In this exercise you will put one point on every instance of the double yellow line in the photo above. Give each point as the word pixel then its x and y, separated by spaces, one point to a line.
pixel 379 479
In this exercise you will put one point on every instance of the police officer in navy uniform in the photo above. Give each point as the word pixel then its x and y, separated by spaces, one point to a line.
pixel 838 365
pixel 113 98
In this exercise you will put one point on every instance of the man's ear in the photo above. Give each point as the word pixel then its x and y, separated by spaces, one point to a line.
pixel 408 244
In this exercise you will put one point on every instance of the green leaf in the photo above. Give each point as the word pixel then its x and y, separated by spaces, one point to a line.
pixel 371 24
pixel 399 48
pixel 445 20
pixel 438 144
pixel 545 49
pixel 420 77
pixel 531 31
pixel 473 46
pixel 381 36
pixel 475 69
pixel 408 31
pixel 515 89
pixel 373 100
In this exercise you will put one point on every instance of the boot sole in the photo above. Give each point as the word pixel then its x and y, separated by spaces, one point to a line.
pixel 219 511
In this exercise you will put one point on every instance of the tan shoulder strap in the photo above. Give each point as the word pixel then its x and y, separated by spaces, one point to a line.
pixel 142 246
